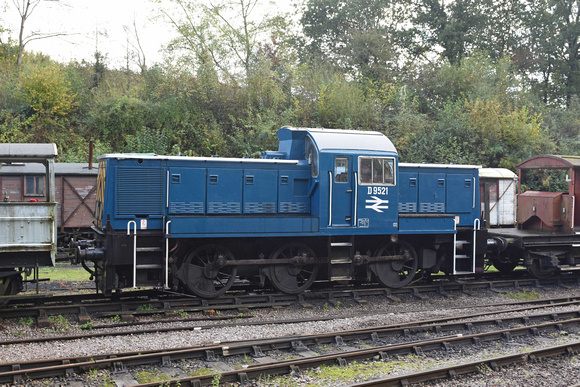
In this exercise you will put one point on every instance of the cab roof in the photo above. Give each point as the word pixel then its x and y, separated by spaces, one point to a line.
pixel 351 140
pixel 292 141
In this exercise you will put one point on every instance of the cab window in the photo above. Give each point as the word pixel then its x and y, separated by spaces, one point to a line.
pixel 376 171
pixel 341 170
pixel 312 156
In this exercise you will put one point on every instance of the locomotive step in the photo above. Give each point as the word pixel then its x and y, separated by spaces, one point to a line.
pixel 340 261
pixel 340 244
pixel 149 266
pixel 341 278
pixel 148 249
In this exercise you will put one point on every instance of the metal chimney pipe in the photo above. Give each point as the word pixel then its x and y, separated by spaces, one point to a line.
pixel 91 146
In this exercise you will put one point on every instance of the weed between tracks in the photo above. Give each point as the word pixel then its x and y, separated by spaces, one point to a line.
pixel 153 376
pixel 336 374
pixel 524 294
pixel 59 323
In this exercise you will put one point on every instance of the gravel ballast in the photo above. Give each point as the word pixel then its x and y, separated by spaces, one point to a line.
pixel 378 311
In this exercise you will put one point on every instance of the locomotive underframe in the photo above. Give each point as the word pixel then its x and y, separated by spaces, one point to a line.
pixel 392 259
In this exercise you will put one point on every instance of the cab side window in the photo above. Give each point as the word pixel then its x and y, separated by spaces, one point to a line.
pixel 365 168
pixel 376 171
pixel 311 154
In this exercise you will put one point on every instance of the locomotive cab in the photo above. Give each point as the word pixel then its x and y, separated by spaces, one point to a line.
pixel 353 177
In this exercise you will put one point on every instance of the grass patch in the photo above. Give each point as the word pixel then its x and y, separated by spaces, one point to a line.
pixel 154 376
pixel 64 272
pixel 200 372
pixel 145 307
pixel 337 375
pixel 524 295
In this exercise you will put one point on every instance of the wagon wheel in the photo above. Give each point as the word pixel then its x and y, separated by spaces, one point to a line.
pixel 505 263
pixel 295 277
pixel 205 273
pixel 536 270
pixel 397 273
pixel 11 285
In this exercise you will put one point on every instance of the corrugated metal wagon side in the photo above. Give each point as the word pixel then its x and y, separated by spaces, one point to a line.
pixel 27 229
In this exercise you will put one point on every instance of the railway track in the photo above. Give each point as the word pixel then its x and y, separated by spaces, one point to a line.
pixel 398 329
pixel 386 342
pixel 147 303
pixel 454 371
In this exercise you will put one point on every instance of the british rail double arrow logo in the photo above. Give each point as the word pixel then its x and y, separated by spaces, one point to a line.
pixel 377 204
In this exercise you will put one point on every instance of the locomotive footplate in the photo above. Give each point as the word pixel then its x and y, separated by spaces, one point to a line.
pixel 301 260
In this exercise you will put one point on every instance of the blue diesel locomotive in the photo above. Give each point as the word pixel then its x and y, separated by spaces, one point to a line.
pixel 329 205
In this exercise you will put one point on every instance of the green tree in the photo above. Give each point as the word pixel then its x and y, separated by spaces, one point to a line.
pixel 116 119
pixel 457 28
pixel 46 90
pixel 358 36
pixel 550 49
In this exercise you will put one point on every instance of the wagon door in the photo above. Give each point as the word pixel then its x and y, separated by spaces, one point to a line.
pixel 341 184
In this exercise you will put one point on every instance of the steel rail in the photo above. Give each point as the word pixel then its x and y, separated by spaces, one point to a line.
pixel 472 367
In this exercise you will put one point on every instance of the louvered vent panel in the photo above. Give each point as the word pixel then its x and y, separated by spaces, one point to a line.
pixel 432 207
pixel 186 208
pixel 224 208
pixel 139 191
pixel 407 207
pixel 259 208
pixel 294 208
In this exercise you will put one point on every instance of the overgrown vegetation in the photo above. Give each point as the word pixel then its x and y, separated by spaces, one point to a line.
pixel 59 323
pixel 153 376
pixel 339 375
pixel 462 81
pixel 524 294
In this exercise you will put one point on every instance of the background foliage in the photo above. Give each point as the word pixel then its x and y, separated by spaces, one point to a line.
pixel 462 81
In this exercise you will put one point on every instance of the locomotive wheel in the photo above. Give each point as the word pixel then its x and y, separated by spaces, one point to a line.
pixel 205 273
pixel 536 270
pixel 396 274
pixel 293 278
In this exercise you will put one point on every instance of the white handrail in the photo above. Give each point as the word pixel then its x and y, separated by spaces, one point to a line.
pixel 474 192
pixel 476 227
pixel 167 254
pixel 134 249
pixel 355 199
pixel 167 199
pixel 330 201
pixel 454 246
